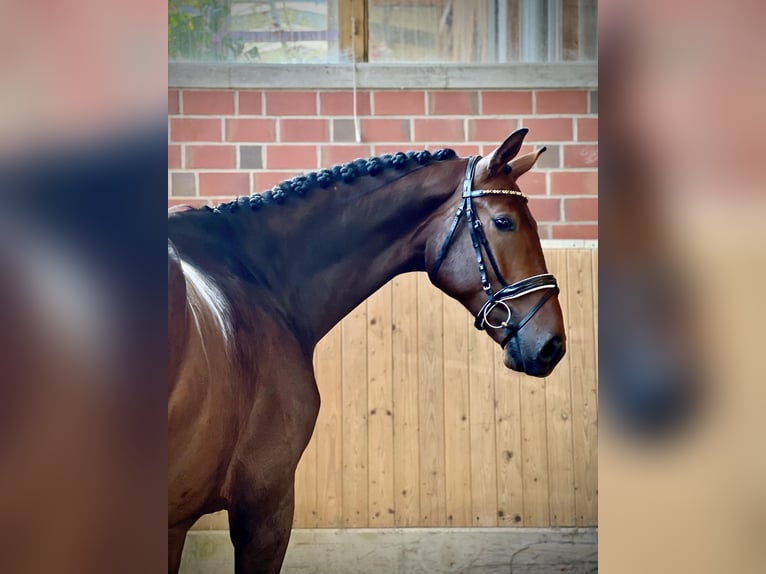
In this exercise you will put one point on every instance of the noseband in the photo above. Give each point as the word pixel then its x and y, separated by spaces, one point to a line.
pixel 507 292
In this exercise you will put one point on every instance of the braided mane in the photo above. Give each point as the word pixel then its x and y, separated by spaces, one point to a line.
pixel 301 185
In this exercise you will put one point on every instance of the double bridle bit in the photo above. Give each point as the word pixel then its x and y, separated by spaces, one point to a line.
pixel 507 292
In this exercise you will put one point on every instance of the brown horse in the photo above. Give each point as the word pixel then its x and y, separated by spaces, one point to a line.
pixel 255 283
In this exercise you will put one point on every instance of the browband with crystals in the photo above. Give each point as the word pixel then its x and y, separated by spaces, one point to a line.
pixel 480 192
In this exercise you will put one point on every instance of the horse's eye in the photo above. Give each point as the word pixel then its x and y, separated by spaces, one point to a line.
pixel 504 223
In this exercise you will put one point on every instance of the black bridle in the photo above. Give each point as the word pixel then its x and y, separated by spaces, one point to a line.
pixel 480 246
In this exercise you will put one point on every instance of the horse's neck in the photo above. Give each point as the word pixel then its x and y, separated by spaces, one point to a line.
pixel 338 247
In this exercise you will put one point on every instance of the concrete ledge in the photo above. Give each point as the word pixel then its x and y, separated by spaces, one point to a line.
pixel 383 76
pixel 413 551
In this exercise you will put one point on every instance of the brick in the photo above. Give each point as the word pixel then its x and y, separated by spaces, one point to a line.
pixel 532 183
pixel 229 185
pixel 506 103
pixel 183 185
pixel 250 130
pixel 400 103
pixel 195 130
pixel 250 103
pixel 385 130
pixel 587 129
pixel 174 156
pixel 265 180
pixel 493 130
pixel 545 208
pixel 291 157
pixel 550 158
pixel 578 231
pixel 304 130
pixel 548 129
pixel 291 103
pixel 342 103
pixel 250 157
pixel 343 131
pixel 173 102
pixel 211 156
pixel 581 209
pixel 574 183
pixel 335 154
pixel 208 102
pixel 453 103
pixel 585 155
pixel 561 101
pixel 439 130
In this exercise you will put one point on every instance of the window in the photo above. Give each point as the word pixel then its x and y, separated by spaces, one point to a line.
pixel 482 31
pixel 329 31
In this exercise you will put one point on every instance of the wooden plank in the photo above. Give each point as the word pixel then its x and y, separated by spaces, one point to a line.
pixel 457 431
pixel 405 391
pixel 328 432
pixel 431 404
pixel 354 385
pixel 381 408
pixel 534 448
pixel 305 515
pixel 353 28
pixel 510 487
pixel 558 399
pixel 594 280
pixel 582 370
pixel 481 371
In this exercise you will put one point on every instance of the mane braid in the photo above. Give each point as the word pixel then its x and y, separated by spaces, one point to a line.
pixel 301 185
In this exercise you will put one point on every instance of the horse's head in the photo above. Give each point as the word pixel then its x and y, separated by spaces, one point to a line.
pixel 487 255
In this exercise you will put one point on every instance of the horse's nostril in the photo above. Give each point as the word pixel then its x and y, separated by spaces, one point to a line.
pixel 551 350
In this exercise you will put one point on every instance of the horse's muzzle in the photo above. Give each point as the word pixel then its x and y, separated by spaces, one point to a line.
pixel 539 363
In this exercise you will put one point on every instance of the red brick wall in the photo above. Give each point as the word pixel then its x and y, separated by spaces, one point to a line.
pixel 225 143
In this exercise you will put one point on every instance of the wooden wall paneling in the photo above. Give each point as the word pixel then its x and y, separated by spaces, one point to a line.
pixel 328 431
pixel 405 392
pixel 508 454
pixel 431 404
pixel 558 402
pixel 584 392
pixel 380 408
pixel 457 431
pixel 354 383
pixel 482 419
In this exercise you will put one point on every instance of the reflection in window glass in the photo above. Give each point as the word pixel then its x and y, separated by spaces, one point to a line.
pixel 460 31
pixel 482 31
pixel 253 31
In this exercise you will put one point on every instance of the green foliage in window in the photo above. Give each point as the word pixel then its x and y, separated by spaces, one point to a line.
pixel 199 30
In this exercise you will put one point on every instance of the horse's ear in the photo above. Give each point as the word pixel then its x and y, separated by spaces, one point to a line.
pixel 506 151
pixel 524 163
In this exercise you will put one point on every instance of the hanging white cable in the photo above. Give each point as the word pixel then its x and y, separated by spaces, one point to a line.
pixel 357 129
